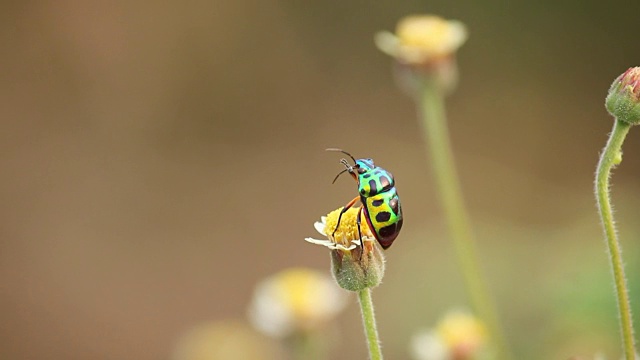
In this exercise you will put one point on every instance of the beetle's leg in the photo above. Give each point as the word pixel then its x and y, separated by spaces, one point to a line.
pixel 358 220
pixel 344 210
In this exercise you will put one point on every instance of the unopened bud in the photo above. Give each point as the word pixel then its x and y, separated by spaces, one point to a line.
pixel 623 100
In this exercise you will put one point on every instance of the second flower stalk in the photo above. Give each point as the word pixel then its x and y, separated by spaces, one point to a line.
pixel 424 48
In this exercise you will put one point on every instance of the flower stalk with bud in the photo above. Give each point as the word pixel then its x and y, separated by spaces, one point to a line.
pixel 357 264
pixel 623 103
pixel 424 48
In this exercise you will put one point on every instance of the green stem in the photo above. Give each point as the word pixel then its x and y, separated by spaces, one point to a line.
pixel 611 156
pixel 431 108
pixel 369 321
pixel 306 345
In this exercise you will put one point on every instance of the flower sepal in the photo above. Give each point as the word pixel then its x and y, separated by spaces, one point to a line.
pixel 358 270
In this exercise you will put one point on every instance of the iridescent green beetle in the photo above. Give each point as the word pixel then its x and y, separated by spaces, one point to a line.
pixel 378 196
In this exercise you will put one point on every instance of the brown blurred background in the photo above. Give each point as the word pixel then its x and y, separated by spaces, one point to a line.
pixel 160 158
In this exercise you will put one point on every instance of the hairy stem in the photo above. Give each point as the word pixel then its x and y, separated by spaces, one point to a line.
pixel 431 108
pixel 610 157
pixel 369 322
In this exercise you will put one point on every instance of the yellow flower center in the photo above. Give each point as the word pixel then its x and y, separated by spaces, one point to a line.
pixel 460 328
pixel 427 32
pixel 348 229
pixel 303 291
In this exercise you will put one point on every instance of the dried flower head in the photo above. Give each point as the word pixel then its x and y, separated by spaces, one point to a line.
pixel 357 263
pixel 458 336
pixel 295 300
pixel 623 100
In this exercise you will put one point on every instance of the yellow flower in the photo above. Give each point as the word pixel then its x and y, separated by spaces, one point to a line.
pixel 457 336
pixel 225 340
pixel 295 300
pixel 346 238
pixel 357 263
pixel 463 333
pixel 420 39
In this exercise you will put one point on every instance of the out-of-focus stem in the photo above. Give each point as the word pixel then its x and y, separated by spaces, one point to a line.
pixel 436 134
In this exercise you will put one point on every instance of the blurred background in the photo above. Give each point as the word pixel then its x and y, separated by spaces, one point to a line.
pixel 158 160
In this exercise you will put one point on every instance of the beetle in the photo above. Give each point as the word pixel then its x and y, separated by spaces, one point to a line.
pixel 378 196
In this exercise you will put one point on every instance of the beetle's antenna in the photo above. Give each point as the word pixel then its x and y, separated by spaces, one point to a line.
pixel 337 176
pixel 342 151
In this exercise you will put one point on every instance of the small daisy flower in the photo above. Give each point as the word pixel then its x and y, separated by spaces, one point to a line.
pixel 356 263
pixel 424 47
pixel 295 300
pixel 420 39
pixel 458 336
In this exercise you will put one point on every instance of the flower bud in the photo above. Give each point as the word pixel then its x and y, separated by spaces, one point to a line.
pixel 357 264
pixel 623 100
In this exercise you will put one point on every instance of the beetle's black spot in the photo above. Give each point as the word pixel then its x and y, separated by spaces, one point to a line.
pixel 377 202
pixel 393 203
pixel 366 176
pixel 362 191
pixel 383 216
pixel 387 231
pixel 373 187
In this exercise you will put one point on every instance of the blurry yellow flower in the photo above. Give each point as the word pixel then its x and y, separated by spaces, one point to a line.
pixel 295 300
pixel 458 336
pixel 428 345
pixel 356 264
pixel 463 333
pixel 225 340
pixel 420 39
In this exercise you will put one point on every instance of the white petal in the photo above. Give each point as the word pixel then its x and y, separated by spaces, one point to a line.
pixel 320 227
pixel 387 42
pixel 342 247
pixel 429 346
pixel 326 243
pixel 268 314
pixel 331 245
